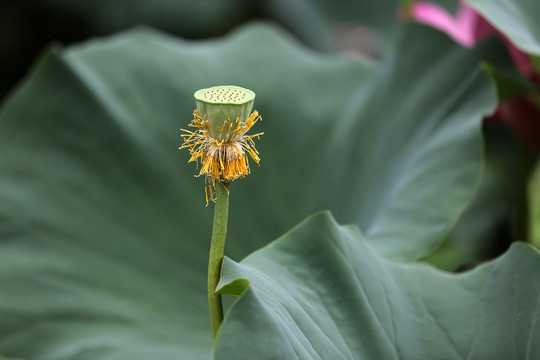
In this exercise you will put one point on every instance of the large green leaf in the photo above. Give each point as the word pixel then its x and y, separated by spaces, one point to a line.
pixel 322 292
pixel 104 233
pixel 517 19
pixel 480 233
pixel 389 156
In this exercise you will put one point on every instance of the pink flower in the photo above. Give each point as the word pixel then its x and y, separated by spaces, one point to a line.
pixel 467 28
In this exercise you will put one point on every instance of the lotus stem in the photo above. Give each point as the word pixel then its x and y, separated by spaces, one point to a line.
pixel 217 246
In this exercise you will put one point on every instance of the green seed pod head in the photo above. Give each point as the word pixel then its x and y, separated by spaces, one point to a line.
pixel 221 106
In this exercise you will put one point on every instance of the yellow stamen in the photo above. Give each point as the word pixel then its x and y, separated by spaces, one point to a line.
pixel 224 160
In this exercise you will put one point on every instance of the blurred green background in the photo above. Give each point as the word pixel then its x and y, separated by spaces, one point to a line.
pixel 27 27
pixel 358 29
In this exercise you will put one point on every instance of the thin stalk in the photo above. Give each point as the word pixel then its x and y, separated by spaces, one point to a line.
pixel 217 246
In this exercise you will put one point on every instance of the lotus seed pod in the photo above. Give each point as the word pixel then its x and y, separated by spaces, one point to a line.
pixel 224 107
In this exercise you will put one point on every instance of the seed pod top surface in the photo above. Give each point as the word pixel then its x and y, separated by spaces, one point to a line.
pixel 222 106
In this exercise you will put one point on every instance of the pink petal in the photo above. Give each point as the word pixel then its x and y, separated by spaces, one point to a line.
pixel 466 28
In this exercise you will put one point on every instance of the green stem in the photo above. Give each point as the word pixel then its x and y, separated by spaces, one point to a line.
pixel 217 246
